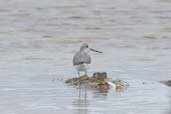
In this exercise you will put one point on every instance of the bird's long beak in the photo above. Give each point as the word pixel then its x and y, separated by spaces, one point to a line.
pixel 95 50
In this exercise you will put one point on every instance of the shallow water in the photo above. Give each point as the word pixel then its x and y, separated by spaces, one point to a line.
pixel 38 40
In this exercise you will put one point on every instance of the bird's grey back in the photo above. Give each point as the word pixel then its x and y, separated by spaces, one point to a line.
pixel 81 57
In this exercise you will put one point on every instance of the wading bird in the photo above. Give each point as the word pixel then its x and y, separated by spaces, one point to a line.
pixel 82 59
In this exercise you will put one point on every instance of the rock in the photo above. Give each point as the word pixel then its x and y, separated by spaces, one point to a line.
pixel 103 88
pixel 168 82
pixel 83 78
pixel 71 81
pixel 98 76
pixel 77 81
pixel 99 80
pixel 120 85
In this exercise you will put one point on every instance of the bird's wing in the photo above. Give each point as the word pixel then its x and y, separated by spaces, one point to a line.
pixel 80 58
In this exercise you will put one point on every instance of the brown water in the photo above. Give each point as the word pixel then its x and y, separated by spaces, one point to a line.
pixel 39 38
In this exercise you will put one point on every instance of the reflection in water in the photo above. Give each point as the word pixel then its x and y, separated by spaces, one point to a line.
pixel 81 104
pixel 84 104
pixel 99 95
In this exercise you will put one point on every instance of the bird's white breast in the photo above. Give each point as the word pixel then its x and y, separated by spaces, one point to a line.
pixel 82 67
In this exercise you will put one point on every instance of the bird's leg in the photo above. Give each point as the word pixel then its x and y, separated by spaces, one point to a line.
pixel 79 84
pixel 86 73
pixel 79 77
pixel 85 89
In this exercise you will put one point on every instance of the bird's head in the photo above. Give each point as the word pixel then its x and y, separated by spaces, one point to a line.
pixel 86 47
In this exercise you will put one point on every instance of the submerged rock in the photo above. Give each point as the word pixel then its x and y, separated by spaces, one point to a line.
pixel 120 83
pixel 99 81
pixel 168 82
